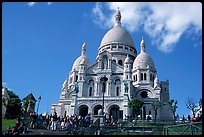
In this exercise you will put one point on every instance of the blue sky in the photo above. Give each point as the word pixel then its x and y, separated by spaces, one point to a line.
pixel 40 42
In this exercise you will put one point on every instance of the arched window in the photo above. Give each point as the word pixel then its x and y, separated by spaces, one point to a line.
pixel 117 91
pixel 136 77
pixel 141 76
pixel 90 87
pixel 145 76
pixel 76 78
pixel 120 62
pixel 105 62
pixel 90 91
pixel 126 76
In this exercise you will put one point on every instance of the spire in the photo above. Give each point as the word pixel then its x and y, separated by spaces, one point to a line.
pixel 118 18
pixel 127 59
pixel 142 45
pixel 83 51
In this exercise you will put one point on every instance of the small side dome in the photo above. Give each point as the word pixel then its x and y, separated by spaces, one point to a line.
pixel 127 59
pixel 143 60
pixel 81 59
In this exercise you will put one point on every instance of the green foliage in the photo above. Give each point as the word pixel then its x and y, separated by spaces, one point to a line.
pixel 6 123
pixel 135 104
pixel 156 105
pixel 173 106
pixel 14 106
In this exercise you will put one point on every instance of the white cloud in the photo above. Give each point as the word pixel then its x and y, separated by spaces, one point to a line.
pixel 4 84
pixel 49 3
pixel 164 22
pixel 30 4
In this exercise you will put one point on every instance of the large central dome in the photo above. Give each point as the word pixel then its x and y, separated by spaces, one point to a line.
pixel 117 35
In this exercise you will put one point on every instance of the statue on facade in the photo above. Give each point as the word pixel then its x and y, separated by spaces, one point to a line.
pixel 76 87
pixel 126 87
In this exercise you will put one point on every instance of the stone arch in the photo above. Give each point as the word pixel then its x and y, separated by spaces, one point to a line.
pixel 114 111
pixel 96 108
pixel 83 110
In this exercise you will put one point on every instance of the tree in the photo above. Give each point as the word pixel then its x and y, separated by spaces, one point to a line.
pixel 14 106
pixel 191 104
pixel 156 104
pixel 135 104
pixel 173 106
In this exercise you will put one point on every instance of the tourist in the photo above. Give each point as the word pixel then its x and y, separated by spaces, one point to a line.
pixel 54 122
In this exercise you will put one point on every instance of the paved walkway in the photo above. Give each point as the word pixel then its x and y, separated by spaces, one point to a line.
pixel 44 132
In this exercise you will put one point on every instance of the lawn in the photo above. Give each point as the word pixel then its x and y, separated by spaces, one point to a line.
pixel 6 123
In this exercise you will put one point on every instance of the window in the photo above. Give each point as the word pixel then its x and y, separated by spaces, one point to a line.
pixel 113 46
pixel 120 62
pixel 141 76
pixel 126 76
pixel 90 91
pixel 131 50
pixel 144 94
pixel 76 78
pixel 117 91
pixel 136 77
pixel 145 76
pixel 126 48
pixel 80 78
pixel 149 112
pixel 120 47
pixel 114 61
pixel 150 77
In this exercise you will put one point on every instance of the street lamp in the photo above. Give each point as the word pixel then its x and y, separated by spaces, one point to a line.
pixel 103 79
pixel 38 103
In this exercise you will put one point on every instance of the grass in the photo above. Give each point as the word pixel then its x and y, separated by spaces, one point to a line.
pixel 6 123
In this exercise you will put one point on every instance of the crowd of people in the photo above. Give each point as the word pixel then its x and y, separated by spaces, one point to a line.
pixel 54 122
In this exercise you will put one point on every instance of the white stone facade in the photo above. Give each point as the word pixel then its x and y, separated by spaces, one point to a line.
pixel 118 62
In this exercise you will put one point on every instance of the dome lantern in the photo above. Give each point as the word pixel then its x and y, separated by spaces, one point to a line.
pixel 142 45
pixel 118 18
pixel 83 51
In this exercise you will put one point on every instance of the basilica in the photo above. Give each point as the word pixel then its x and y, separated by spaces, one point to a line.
pixel 117 76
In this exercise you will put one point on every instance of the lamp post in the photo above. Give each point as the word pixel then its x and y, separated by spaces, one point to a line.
pixel 38 104
pixel 103 79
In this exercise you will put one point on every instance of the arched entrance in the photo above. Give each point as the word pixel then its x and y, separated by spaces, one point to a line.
pixel 83 110
pixel 115 112
pixel 96 108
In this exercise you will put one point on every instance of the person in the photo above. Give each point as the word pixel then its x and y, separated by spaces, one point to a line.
pixel 183 119
pixel 54 122
pixel 189 118
pixel 15 131
pixel 62 124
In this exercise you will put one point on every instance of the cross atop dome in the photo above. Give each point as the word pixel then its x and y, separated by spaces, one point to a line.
pixel 118 18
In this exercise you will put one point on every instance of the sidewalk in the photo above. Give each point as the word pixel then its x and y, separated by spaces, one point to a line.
pixel 44 132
